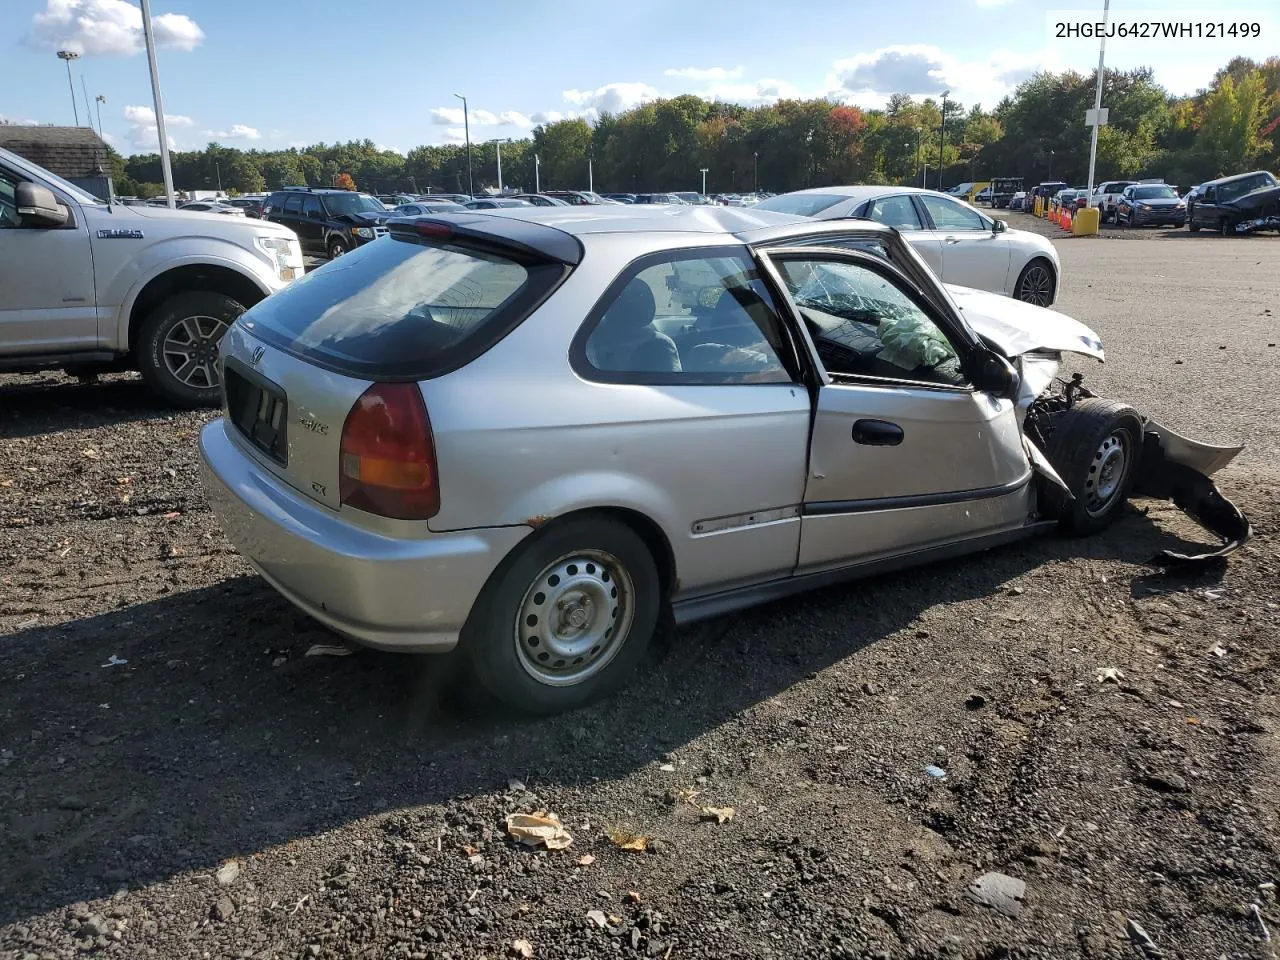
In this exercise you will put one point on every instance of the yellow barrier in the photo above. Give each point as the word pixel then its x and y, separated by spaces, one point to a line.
pixel 1036 208
pixel 1085 222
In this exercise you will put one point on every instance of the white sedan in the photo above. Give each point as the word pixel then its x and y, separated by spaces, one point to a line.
pixel 963 246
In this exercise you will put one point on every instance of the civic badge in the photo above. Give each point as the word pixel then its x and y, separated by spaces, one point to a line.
pixel 257 355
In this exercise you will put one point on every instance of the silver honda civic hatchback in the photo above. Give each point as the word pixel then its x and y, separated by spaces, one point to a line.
pixel 537 434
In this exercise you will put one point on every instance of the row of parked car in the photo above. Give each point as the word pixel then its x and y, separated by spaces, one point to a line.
pixel 1242 203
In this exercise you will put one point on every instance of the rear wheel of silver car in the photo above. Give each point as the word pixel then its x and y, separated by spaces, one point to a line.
pixel 1095 447
pixel 567 618
pixel 337 248
pixel 177 347
pixel 1035 283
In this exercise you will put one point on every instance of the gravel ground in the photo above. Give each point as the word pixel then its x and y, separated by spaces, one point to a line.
pixel 221 794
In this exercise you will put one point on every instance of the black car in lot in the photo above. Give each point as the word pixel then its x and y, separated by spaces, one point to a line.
pixel 328 222
pixel 1150 204
pixel 1239 204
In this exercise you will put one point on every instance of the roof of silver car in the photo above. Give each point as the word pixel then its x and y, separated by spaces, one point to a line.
pixel 651 218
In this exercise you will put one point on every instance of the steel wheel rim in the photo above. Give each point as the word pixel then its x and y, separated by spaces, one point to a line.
pixel 1107 473
pixel 574 618
pixel 190 351
pixel 1036 285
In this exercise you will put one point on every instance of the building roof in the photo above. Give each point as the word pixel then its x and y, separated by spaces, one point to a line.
pixel 71 152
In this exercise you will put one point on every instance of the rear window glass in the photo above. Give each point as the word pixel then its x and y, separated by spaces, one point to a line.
pixel 801 204
pixel 401 309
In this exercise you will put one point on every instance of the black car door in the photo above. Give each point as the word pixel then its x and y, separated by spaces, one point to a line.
pixel 1206 208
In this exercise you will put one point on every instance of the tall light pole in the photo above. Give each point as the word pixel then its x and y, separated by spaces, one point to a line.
pixel 498 146
pixel 942 137
pixel 1097 102
pixel 591 174
pixel 537 174
pixel 919 144
pixel 88 114
pixel 101 100
pixel 466 127
pixel 67 56
pixel 165 166
pixel 703 171
pixel 755 167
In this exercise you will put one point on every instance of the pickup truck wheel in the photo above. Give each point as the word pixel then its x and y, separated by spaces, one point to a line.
pixel 566 619
pixel 178 347
pixel 1095 448
pixel 336 248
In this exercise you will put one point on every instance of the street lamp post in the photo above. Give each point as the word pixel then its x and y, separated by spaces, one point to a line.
pixel 942 137
pixel 498 147
pixel 165 166
pixel 919 144
pixel 1097 103
pixel 537 174
pixel 703 171
pixel 101 100
pixel 67 56
pixel 755 167
pixel 591 174
pixel 466 127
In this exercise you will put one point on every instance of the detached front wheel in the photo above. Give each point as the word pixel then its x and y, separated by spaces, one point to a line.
pixel 566 619
pixel 178 344
pixel 1095 448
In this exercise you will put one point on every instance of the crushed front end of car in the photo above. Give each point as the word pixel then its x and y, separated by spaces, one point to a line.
pixel 1072 459
pixel 1259 210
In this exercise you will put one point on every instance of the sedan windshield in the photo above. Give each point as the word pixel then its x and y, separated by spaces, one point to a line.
pixel 803 204
pixel 1161 192
pixel 343 204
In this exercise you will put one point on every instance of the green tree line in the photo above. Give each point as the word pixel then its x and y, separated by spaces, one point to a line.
pixel 1037 133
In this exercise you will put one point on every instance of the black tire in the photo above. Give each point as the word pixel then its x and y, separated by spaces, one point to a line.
pixel 502 646
pixel 336 247
pixel 1029 286
pixel 1079 449
pixel 183 319
pixel 1193 227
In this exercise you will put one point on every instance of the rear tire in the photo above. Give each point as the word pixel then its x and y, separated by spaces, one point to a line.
pixel 177 347
pixel 1095 448
pixel 336 248
pixel 1036 284
pixel 1224 229
pixel 541 637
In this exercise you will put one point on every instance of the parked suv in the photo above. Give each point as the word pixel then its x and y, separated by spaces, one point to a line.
pixel 328 222
pixel 91 287
pixel 1245 202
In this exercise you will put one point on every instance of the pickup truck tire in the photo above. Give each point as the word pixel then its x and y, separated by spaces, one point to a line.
pixel 1095 448
pixel 177 347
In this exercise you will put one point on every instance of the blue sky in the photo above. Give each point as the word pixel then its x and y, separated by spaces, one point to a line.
pixel 274 73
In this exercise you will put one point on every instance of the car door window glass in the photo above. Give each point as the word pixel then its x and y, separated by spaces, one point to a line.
pixel 949 215
pixel 293 204
pixel 688 319
pixel 311 208
pixel 898 212
pixel 865 326
pixel 9 202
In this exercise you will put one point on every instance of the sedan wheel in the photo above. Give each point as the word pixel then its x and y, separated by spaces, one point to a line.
pixel 1095 447
pixel 574 617
pixel 1035 284
pixel 566 618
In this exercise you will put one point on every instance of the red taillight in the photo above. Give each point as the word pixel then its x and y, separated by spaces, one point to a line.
pixel 433 229
pixel 388 457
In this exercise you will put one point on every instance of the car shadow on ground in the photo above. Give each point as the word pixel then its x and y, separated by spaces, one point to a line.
pixel 219 737
pixel 42 404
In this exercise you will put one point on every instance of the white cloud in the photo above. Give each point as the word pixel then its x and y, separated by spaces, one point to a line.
pixel 547 116
pixel 238 131
pixel 143 131
pixel 479 118
pixel 922 70
pixel 107 27
pixel 514 118
pixel 455 135
pixel 19 123
pixel 752 94
pixel 706 73
pixel 611 98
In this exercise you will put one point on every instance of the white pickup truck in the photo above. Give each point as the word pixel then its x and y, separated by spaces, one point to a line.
pixel 91 287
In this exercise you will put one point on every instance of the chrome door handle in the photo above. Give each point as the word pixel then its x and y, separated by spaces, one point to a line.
pixel 953 239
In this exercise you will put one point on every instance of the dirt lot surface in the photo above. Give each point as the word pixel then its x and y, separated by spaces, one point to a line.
pixel 177 779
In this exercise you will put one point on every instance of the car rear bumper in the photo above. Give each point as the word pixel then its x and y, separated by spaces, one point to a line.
pixel 411 595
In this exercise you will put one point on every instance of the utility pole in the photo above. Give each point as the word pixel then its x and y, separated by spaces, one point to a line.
pixel 165 166
pixel 942 137
pixel 67 56
pixel 466 127
pixel 1098 117
pixel 703 171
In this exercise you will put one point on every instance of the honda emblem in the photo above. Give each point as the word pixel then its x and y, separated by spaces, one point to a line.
pixel 257 355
